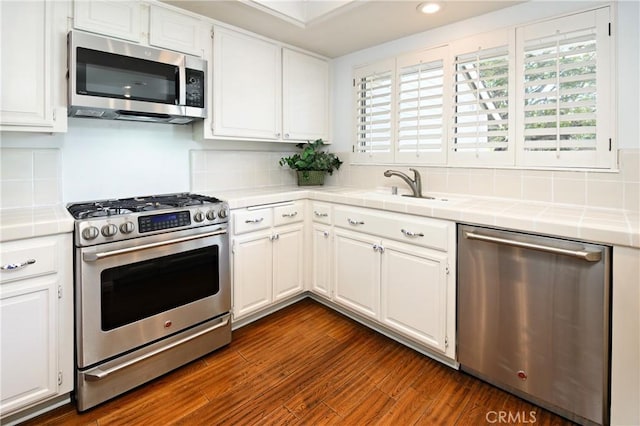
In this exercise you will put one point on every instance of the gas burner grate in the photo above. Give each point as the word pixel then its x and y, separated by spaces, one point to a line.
pixel 124 206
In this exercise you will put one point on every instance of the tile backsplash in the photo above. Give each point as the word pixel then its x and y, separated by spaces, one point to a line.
pixel 213 170
pixel 616 190
pixel 30 177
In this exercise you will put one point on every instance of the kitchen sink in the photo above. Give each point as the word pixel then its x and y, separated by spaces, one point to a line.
pixel 426 198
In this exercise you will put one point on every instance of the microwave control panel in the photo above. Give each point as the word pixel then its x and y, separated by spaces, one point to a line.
pixel 195 88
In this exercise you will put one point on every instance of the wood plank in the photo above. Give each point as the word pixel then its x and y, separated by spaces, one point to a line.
pixel 306 365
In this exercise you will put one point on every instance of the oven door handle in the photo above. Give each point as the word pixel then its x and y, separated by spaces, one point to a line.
pixel 98 374
pixel 91 257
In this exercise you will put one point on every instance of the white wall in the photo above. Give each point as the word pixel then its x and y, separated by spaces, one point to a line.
pixel 113 159
pixel 628 69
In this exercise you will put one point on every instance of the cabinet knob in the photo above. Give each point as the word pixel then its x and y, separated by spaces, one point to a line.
pixel 379 248
pixel 326 234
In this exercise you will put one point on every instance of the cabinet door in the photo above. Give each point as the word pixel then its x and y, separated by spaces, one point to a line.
pixel 246 86
pixel 305 96
pixel 252 272
pixel 121 19
pixel 27 76
pixel 321 260
pixel 357 272
pixel 288 259
pixel 29 339
pixel 175 31
pixel 414 293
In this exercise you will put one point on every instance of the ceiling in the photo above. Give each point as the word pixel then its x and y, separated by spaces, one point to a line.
pixel 336 27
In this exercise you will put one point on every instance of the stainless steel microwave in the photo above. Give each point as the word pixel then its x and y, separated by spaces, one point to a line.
pixel 111 79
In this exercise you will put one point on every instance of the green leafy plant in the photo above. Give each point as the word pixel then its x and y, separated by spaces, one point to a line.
pixel 312 158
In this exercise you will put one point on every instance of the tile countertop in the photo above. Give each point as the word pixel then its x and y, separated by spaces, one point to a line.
pixel 598 225
pixel 27 222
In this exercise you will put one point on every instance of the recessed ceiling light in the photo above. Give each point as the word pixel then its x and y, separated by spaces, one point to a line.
pixel 429 7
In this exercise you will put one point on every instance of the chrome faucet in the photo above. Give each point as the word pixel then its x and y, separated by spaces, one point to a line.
pixel 415 184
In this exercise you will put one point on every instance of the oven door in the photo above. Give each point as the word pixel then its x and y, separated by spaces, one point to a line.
pixel 132 293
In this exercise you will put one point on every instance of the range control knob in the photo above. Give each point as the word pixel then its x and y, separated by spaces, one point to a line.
pixel 223 213
pixel 90 233
pixel 198 217
pixel 211 215
pixel 127 227
pixel 109 230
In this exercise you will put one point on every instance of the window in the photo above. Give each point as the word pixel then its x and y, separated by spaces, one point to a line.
pixel 423 99
pixel 481 122
pixel 565 95
pixel 374 100
pixel 539 95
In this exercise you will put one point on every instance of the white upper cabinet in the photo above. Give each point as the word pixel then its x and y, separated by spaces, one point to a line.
pixel 246 86
pixel 33 57
pixel 147 23
pixel 121 19
pixel 175 31
pixel 305 96
pixel 265 92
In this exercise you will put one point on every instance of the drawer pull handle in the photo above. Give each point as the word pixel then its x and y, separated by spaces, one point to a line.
pixel 318 214
pixel 294 214
pixel 411 234
pixel 354 222
pixel 254 220
pixel 17 266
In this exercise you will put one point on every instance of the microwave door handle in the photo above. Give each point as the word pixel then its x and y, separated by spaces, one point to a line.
pixel 182 83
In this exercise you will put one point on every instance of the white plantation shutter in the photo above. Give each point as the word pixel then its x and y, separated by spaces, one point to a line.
pixel 422 101
pixel 564 89
pixel 482 110
pixel 374 112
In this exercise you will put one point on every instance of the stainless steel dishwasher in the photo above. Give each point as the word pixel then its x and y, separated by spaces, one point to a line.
pixel 534 319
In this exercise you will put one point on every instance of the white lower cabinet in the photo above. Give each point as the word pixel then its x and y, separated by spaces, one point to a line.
pixel 322 249
pixel 36 321
pixel 357 272
pixel 268 256
pixel 397 270
pixel 413 286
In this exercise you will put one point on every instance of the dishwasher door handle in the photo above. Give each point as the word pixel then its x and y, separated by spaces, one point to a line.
pixel 589 256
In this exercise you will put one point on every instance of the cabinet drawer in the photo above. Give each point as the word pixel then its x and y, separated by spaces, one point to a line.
pixel 321 213
pixel 252 220
pixel 411 229
pixel 29 258
pixel 288 214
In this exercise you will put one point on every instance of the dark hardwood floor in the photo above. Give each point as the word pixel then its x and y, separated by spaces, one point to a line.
pixel 309 365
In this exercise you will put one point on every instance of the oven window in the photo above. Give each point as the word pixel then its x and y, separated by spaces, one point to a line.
pixel 140 290
pixel 117 76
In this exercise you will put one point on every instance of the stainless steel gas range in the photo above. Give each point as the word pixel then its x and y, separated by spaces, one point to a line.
pixel 152 289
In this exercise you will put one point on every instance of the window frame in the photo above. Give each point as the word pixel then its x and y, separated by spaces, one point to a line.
pixel 364 72
pixel 412 60
pixel 604 158
pixel 486 42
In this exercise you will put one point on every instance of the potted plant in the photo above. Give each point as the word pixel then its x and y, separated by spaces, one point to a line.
pixel 312 163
